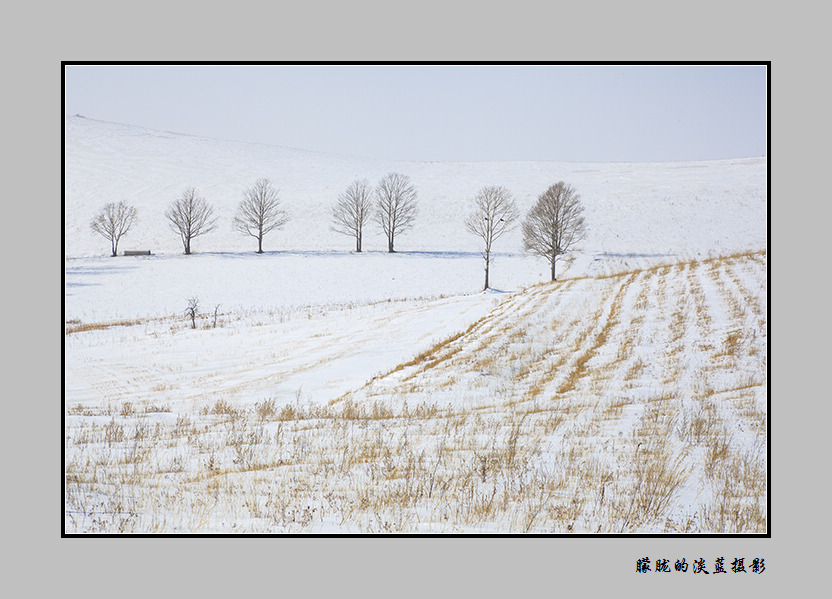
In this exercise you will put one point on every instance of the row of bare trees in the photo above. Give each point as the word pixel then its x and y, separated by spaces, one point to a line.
pixel 191 215
pixel 550 228
pixel 392 203
pixel 258 213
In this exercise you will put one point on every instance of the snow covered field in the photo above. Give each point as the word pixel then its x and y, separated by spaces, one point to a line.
pixel 328 391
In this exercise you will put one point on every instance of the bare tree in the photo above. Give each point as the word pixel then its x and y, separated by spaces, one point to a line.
pixel 554 223
pixel 494 213
pixel 395 206
pixel 259 212
pixel 192 311
pixel 352 211
pixel 113 221
pixel 190 216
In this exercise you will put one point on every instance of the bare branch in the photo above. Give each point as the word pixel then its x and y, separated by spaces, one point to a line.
pixel 554 223
pixel 395 206
pixel 494 213
pixel 192 310
pixel 259 212
pixel 352 211
pixel 113 221
pixel 190 216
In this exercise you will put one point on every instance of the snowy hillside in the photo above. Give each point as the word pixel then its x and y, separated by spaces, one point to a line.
pixel 636 214
pixel 320 390
pixel 685 207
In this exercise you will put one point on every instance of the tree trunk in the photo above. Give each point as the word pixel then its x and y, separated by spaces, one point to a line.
pixel 187 247
pixel 358 242
pixel 390 249
pixel 487 261
pixel 554 260
pixel 260 245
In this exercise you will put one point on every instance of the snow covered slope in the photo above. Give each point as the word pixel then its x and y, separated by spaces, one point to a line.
pixel 673 207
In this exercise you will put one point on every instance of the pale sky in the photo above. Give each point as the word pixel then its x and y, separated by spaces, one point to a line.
pixel 444 112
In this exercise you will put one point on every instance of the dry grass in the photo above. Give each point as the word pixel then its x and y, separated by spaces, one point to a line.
pixel 488 430
pixel 76 326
